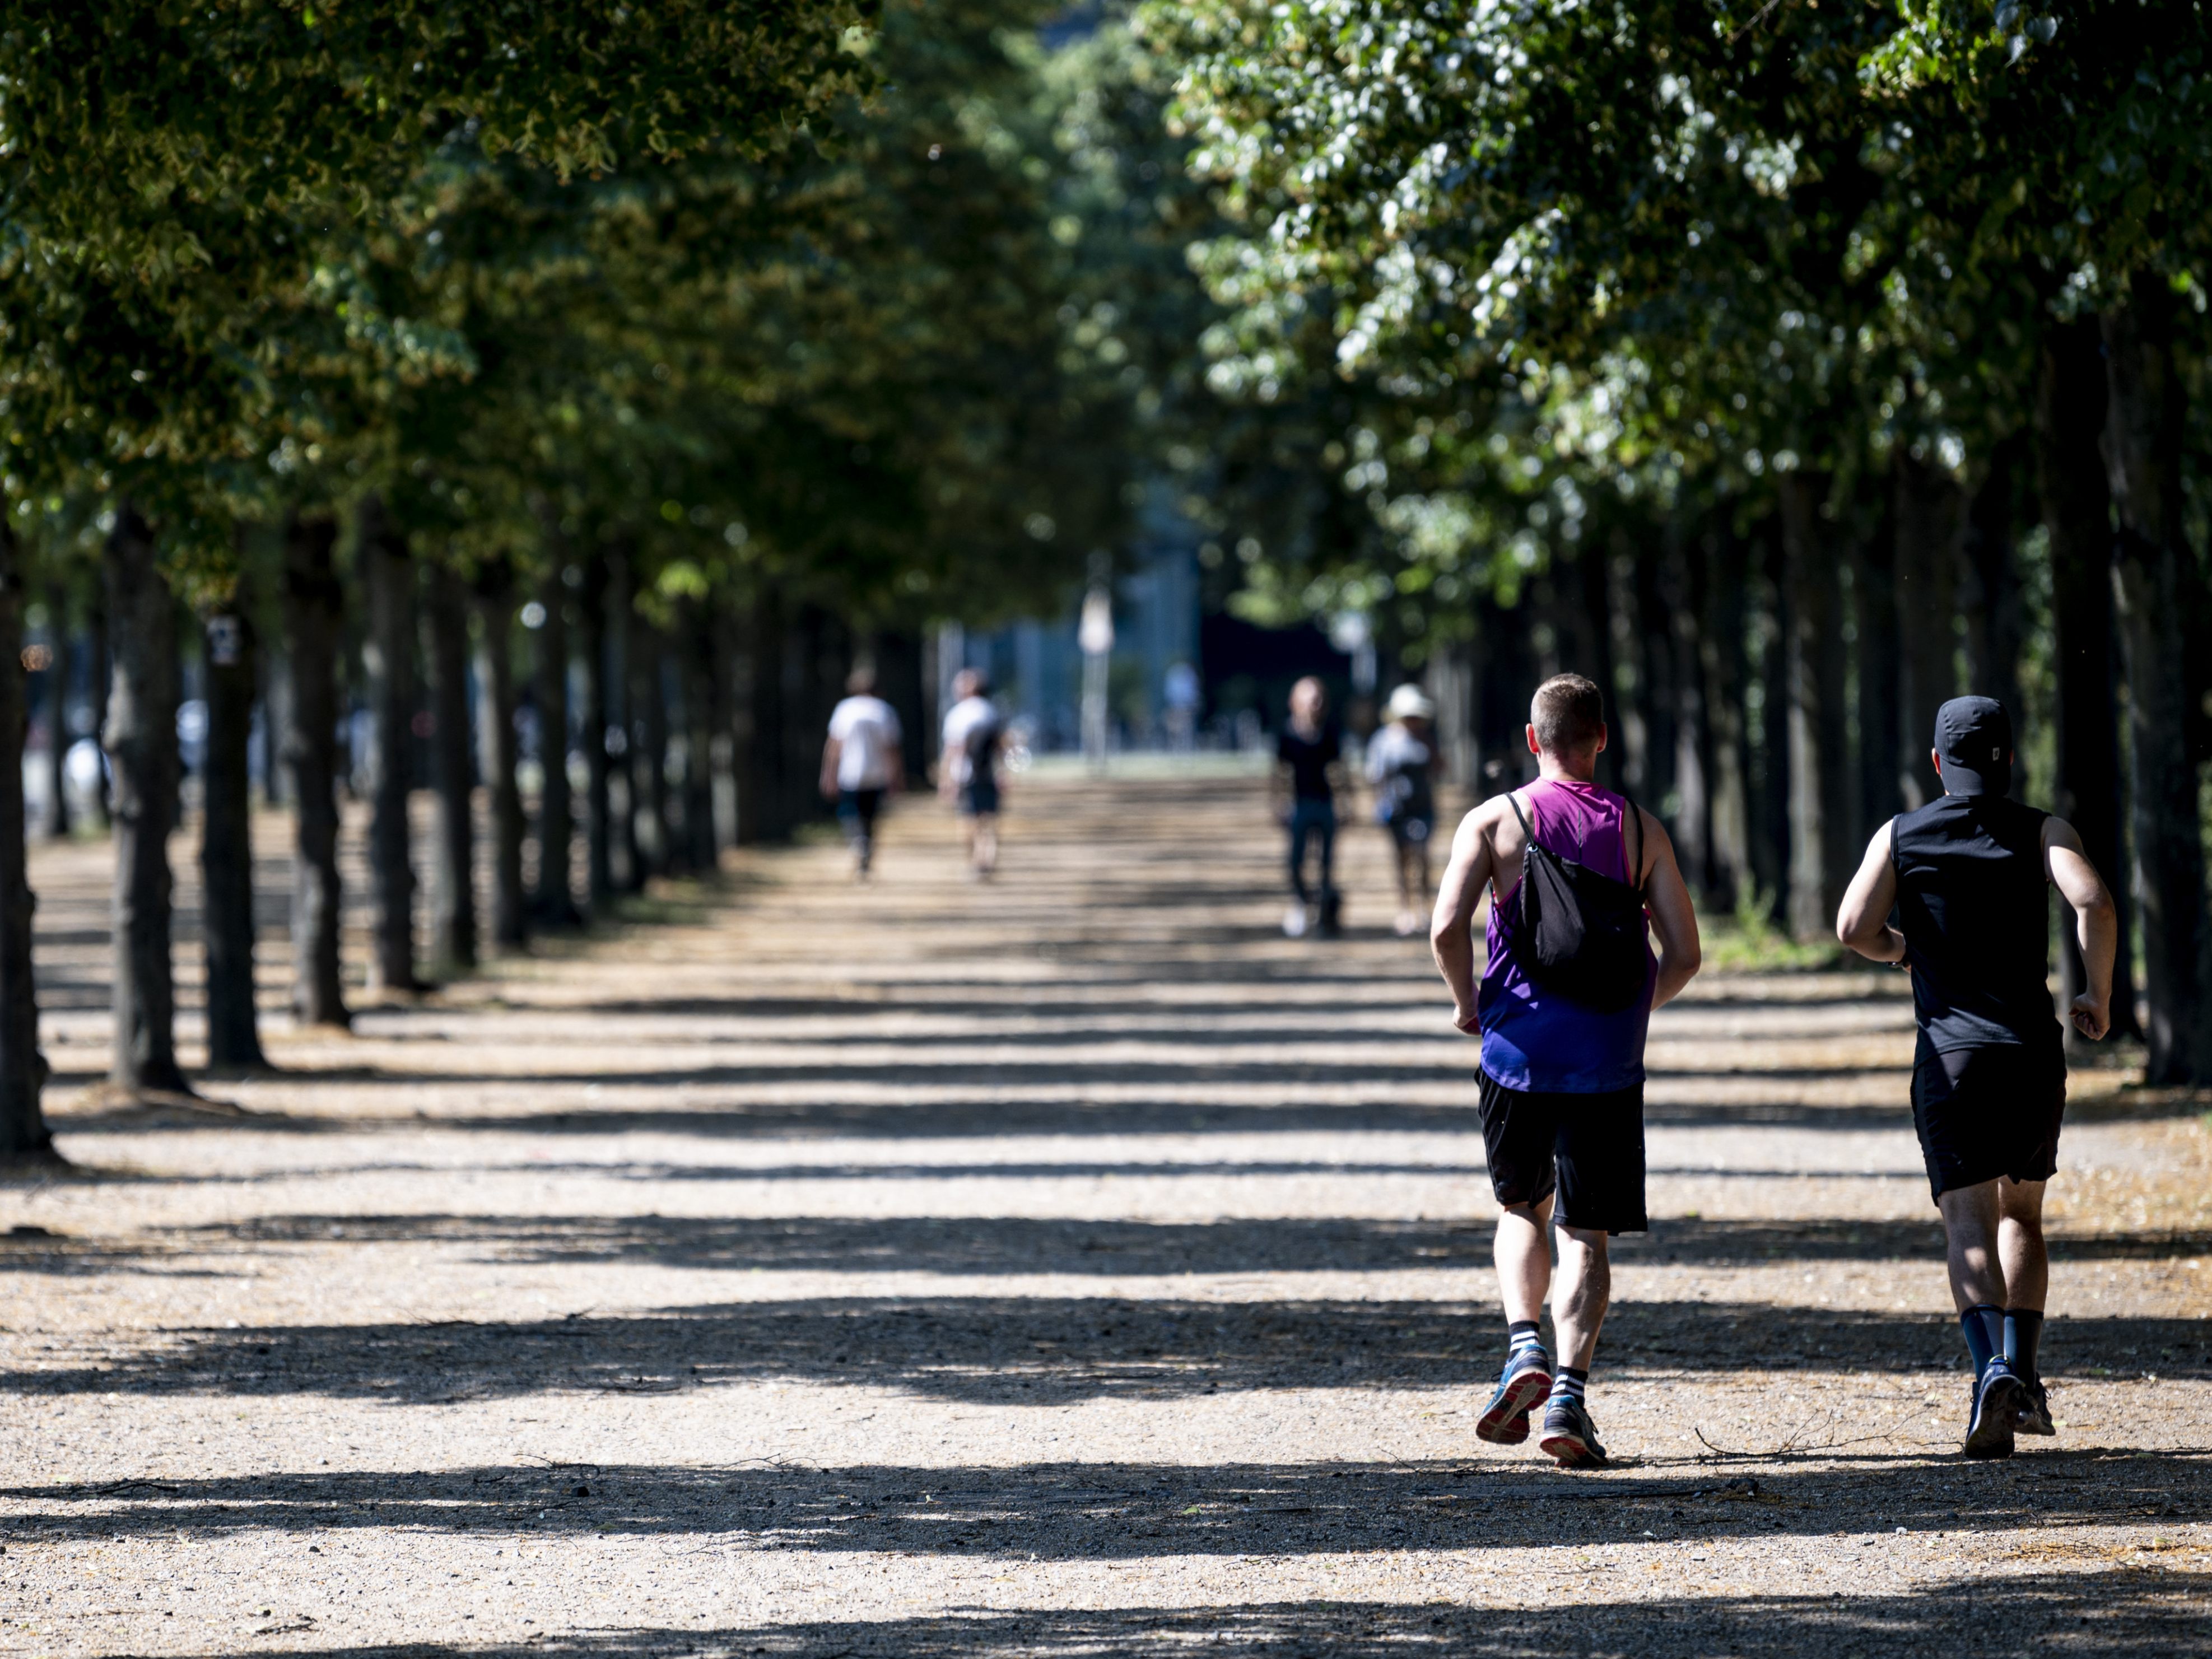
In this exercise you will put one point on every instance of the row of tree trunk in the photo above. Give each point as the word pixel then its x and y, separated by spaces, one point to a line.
pixel 1777 665
pixel 655 717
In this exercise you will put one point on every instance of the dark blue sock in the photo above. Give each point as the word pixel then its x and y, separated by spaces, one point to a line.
pixel 1983 1324
pixel 2023 1335
pixel 1524 1334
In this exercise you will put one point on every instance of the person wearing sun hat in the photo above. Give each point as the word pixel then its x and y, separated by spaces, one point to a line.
pixel 1401 764
pixel 1966 877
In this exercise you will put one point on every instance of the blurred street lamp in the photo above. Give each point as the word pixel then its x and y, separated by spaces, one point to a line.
pixel 1094 634
pixel 1350 632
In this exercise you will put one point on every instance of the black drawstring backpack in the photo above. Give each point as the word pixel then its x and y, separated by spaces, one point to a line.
pixel 1581 933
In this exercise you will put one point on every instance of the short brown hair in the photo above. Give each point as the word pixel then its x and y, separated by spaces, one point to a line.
pixel 1568 713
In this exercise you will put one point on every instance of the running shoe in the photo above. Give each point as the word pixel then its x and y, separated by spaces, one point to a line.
pixel 1294 921
pixel 1526 1379
pixel 1570 1436
pixel 2033 1415
pixel 1998 1393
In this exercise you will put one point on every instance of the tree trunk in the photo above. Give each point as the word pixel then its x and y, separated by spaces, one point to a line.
pixel 758 724
pixel 495 755
pixel 626 868
pixel 2152 561
pixel 828 658
pixel 142 747
pixel 1633 694
pixel 726 668
pixel 1771 793
pixel 2077 514
pixel 1672 604
pixel 695 620
pixel 24 1137
pixel 555 899
pixel 593 600
pixel 226 838
pixel 454 920
pixel 388 660
pixel 1507 673
pixel 1881 672
pixel 900 682
pixel 1449 682
pixel 314 605
pixel 99 675
pixel 679 644
pixel 277 716
pixel 1584 620
pixel 648 747
pixel 1990 597
pixel 454 890
pixel 58 736
pixel 1820 855
pixel 1930 506
pixel 1725 658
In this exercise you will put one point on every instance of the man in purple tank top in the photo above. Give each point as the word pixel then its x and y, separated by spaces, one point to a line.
pixel 1562 1083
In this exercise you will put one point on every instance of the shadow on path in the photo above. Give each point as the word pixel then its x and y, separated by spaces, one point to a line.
pixel 998 1245
pixel 1039 1350
pixel 1109 1511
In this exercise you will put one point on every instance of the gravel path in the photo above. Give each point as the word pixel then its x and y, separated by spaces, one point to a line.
pixel 1068 1266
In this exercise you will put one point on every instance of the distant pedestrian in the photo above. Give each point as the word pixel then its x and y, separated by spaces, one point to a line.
pixel 862 763
pixel 968 770
pixel 1966 876
pixel 1400 765
pixel 1579 880
pixel 1307 758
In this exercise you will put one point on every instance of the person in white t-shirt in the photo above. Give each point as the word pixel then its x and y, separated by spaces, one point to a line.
pixel 967 773
pixel 1401 764
pixel 861 763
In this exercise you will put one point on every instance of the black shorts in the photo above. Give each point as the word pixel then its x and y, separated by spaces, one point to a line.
pixel 1988 1111
pixel 978 797
pixel 1409 831
pixel 1588 1148
pixel 857 809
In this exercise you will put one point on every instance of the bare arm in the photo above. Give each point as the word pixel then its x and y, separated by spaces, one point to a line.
pixel 830 750
pixel 1451 927
pixel 2096 923
pixel 1862 923
pixel 1674 917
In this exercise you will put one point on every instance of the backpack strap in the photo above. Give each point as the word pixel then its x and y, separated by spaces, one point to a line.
pixel 1527 840
pixel 1635 870
pixel 1513 800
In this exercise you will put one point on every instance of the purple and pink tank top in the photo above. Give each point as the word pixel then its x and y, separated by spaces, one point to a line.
pixel 1535 1041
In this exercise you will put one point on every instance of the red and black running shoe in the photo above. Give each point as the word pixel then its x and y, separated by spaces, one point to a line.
pixel 1526 1379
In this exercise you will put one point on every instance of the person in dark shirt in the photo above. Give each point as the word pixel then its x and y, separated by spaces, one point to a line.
pixel 1966 875
pixel 1306 760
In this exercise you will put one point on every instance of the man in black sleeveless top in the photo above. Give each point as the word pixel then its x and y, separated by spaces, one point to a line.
pixel 1966 875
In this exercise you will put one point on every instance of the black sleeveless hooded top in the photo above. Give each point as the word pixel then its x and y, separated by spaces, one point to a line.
pixel 1975 910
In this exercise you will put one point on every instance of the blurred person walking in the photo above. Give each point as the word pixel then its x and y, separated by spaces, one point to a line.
pixel 862 764
pixel 1563 1009
pixel 1307 758
pixel 1401 764
pixel 1966 876
pixel 967 771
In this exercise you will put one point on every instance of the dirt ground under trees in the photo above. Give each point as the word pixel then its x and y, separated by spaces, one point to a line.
pixel 1070 1265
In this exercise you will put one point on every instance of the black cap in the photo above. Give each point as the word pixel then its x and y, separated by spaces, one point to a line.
pixel 1974 737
